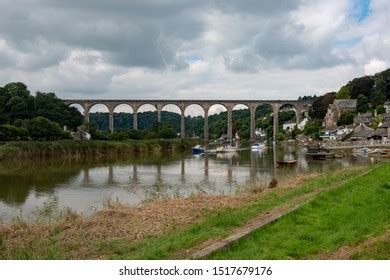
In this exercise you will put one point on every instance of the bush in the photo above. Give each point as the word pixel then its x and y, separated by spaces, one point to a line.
pixel 9 132
pixel 151 135
pixel 41 128
pixel 312 127
pixel 346 118
pixel 119 136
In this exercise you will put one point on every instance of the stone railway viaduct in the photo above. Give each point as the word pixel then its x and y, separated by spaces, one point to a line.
pixel 300 106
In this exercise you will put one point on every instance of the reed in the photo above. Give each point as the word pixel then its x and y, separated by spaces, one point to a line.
pixel 94 148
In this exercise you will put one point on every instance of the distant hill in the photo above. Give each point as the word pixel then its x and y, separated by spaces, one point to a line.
pixel 371 92
pixel 194 125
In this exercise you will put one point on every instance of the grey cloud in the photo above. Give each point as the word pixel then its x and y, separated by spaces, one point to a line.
pixel 129 33
pixel 260 8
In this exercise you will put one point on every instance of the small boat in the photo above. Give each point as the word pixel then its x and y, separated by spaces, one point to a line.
pixel 319 152
pixel 361 151
pixel 198 149
pixel 385 151
pixel 257 146
pixel 226 149
pixel 286 162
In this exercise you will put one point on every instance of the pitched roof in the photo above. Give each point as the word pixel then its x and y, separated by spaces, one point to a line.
pixel 365 115
pixel 345 103
pixel 363 131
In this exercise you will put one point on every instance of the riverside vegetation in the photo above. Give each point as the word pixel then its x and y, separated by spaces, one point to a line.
pixel 15 150
pixel 356 209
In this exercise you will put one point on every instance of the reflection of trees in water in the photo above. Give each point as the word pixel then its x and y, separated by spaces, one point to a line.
pixel 16 186
pixel 18 179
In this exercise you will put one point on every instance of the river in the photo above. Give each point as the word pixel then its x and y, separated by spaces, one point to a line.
pixel 84 186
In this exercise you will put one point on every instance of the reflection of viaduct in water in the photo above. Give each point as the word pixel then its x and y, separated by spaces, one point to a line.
pixel 300 107
pixel 228 158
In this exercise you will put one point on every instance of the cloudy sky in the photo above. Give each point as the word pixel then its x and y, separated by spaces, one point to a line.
pixel 185 49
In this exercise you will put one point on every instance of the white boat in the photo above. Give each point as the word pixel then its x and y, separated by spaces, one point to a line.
pixel 257 146
pixel 198 149
pixel 361 151
pixel 226 149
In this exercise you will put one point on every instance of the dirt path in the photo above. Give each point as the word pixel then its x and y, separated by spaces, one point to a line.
pixel 346 252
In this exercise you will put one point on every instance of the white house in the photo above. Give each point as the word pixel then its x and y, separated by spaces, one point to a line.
pixel 290 125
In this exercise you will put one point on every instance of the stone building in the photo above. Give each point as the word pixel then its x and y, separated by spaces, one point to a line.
pixel 387 106
pixel 366 118
pixel 338 107
pixel 362 132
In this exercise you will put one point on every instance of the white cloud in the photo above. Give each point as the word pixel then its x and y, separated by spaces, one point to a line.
pixel 190 49
pixel 374 66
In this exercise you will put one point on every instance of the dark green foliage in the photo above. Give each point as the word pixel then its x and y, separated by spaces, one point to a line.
pixel 382 84
pixel 164 131
pixel 380 109
pixel 320 105
pixel 378 98
pixel 41 128
pixel 9 132
pixel 158 131
pixel 127 134
pixel 16 103
pixel 286 115
pixel 49 106
pixel 361 86
pixel 362 104
pixel 193 125
pixel 307 97
pixel 346 118
pixel 95 133
pixel 312 127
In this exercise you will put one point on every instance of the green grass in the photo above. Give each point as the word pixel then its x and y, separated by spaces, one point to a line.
pixel 379 250
pixel 342 216
pixel 215 225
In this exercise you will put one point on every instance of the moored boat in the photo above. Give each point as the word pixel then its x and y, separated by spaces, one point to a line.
pixel 198 149
pixel 286 162
pixel 258 146
pixel 361 151
pixel 319 153
pixel 226 149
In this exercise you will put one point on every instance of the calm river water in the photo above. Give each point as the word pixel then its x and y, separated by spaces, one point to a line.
pixel 85 186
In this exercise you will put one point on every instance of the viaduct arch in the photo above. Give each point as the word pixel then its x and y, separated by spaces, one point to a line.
pixel 300 107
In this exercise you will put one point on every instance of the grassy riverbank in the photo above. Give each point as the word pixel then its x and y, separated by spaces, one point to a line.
pixel 77 149
pixel 344 216
pixel 158 230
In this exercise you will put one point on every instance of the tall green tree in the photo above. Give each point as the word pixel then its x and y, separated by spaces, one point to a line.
pixel 320 105
pixel 49 106
pixel 19 102
pixel 343 93
pixel 362 105
pixel 382 85
pixel 362 85
pixel 346 118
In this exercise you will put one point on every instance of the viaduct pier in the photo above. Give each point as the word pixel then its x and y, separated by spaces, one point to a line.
pixel 300 107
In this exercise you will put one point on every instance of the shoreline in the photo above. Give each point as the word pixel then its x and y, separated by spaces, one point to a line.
pixel 124 229
pixel 28 150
